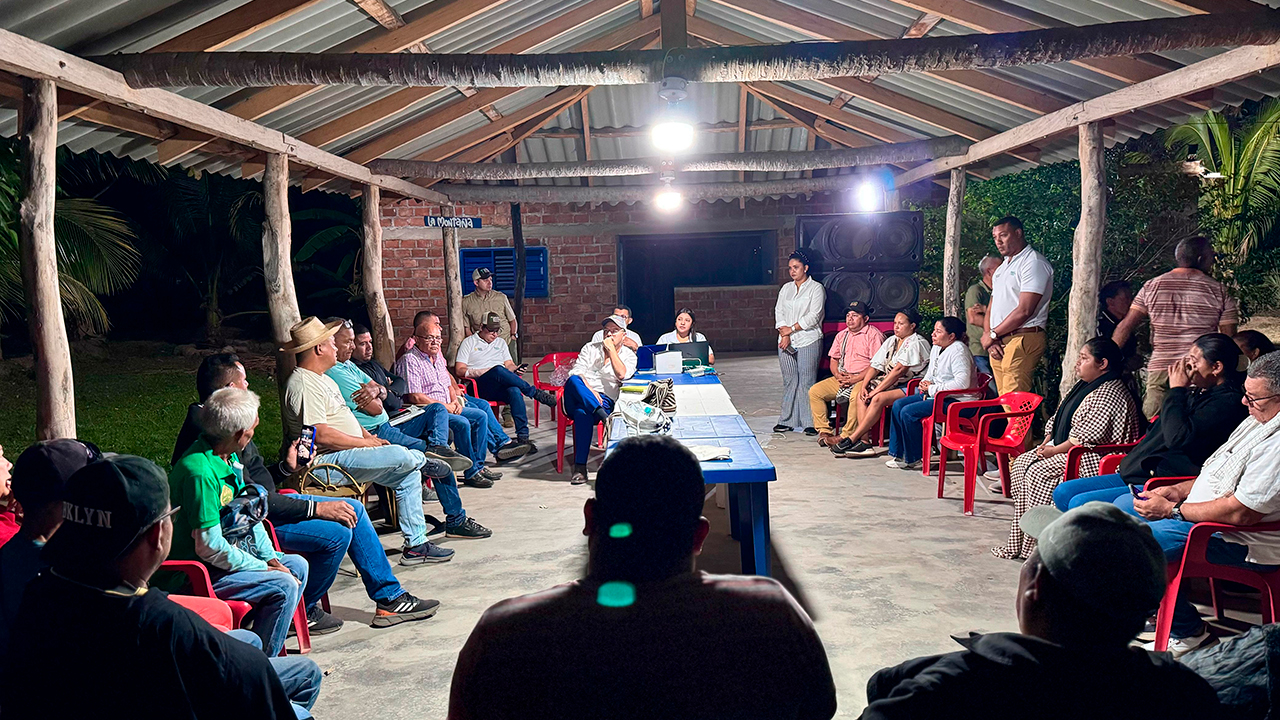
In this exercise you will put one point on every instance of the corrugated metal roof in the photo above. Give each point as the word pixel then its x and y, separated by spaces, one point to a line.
pixel 105 26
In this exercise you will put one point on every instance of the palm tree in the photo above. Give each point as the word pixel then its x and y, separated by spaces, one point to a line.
pixel 1241 160
pixel 95 243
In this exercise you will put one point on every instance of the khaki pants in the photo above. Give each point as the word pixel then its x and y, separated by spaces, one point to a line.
pixel 824 392
pixel 1157 386
pixel 1021 355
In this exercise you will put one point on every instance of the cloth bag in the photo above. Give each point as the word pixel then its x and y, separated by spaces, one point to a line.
pixel 243 513
pixel 661 394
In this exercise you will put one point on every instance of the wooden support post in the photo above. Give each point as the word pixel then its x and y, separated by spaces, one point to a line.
pixel 951 304
pixel 452 288
pixel 1086 251
pixel 384 349
pixel 55 391
pixel 277 261
pixel 517 239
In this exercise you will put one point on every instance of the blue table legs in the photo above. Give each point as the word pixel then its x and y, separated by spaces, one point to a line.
pixel 749 524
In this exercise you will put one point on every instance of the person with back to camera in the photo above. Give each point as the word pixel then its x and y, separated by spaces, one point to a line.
pixel 684 333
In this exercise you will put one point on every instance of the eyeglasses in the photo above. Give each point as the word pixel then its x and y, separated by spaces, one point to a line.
pixel 429 338
pixel 1253 401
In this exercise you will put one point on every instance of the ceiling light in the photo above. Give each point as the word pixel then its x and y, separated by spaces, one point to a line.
pixel 668 200
pixel 673 132
pixel 868 196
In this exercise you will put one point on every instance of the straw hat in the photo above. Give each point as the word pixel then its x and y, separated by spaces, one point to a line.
pixel 309 333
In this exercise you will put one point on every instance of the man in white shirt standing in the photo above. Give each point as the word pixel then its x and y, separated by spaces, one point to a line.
pixel 484 355
pixel 593 387
pixel 630 339
pixel 1014 328
pixel 1238 485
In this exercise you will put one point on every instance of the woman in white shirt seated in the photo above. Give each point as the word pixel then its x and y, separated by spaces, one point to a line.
pixel 798 318
pixel 950 368
pixel 684 333
pixel 900 359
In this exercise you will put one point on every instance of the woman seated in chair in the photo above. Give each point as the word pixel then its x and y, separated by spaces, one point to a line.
pixel 950 368
pixel 1098 410
pixel 684 333
pixel 1199 412
pixel 900 359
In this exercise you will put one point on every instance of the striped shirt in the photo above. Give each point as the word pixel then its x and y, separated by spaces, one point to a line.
pixel 1183 306
pixel 425 374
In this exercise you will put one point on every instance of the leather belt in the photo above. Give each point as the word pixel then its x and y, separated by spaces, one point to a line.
pixel 1025 331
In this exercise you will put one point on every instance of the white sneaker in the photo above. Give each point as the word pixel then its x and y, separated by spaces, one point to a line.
pixel 1181 646
pixel 897 464
pixel 992 474
pixel 893 462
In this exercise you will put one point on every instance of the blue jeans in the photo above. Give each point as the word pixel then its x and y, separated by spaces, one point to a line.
pixel 983 364
pixel 300 676
pixel 1101 488
pixel 581 405
pixel 904 426
pixel 273 595
pixel 1172 536
pixel 394 467
pixel 433 423
pixel 497 436
pixel 471 435
pixel 501 385
pixel 324 542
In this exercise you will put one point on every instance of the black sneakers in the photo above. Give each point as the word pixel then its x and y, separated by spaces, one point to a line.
pixel 426 553
pixel 546 397
pixel 780 428
pixel 468 530
pixel 513 450
pixel 861 449
pixel 320 622
pixel 478 480
pixel 811 432
pixel 456 462
pixel 490 473
pixel 405 608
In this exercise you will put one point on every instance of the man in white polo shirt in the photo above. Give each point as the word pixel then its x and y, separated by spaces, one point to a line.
pixel 484 355
pixel 1014 329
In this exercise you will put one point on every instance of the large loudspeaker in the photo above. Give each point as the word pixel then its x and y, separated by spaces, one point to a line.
pixel 872 257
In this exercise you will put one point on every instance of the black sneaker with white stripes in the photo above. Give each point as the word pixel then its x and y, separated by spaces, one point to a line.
pixel 405 608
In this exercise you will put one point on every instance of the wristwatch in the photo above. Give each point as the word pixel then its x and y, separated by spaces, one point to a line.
pixel 1176 513
pixel 995 335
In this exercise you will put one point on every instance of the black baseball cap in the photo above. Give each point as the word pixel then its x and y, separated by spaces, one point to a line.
pixel 41 472
pixel 106 506
pixel 481 274
pixel 859 307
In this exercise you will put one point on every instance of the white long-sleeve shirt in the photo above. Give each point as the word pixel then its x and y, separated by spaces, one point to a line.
pixel 595 369
pixel 950 368
pixel 802 305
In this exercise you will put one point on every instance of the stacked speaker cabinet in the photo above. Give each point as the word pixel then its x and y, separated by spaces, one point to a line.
pixel 872 257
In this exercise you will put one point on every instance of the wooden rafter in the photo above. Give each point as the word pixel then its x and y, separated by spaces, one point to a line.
pixel 675 15
pixel 233 25
pixel 871 93
pixel 645 131
pixel 434 18
pixel 586 135
pixel 1217 70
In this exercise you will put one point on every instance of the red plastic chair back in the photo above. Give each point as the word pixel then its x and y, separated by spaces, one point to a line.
pixel 1017 429
pixel 555 360
pixel 214 611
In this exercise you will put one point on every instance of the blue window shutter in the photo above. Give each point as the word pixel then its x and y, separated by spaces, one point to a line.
pixel 502 262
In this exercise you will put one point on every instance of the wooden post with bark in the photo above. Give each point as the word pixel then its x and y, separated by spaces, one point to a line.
pixel 951 301
pixel 384 349
pixel 452 287
pixel 1086 251
pixel 277 261
pixel 55 391
pixel 517 240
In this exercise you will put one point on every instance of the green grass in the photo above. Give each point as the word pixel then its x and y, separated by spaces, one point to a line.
pixel 132 401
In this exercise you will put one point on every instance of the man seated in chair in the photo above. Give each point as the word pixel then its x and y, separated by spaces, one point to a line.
pixel 319 529
pixel 484 356
pixel 94 617
pixel 1238 485
pixel 312 399
pixel 205 479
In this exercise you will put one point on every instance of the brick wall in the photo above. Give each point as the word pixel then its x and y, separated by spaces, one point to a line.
pixel 583 265
pixel 734 317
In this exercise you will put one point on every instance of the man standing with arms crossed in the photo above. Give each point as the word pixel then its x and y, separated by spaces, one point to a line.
pixel 1014 327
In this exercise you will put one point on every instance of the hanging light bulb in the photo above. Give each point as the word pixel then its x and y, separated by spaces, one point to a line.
pixel 673 133
pixel 867 196
pixel 668 200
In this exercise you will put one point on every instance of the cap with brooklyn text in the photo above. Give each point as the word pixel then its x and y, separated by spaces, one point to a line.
pixel 106 506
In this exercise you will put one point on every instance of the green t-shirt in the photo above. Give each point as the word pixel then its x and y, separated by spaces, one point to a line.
pixel 201 483
pixel 349 378
pixel 977 294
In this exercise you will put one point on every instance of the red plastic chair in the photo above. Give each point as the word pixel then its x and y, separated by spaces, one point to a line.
pixel 563 423
pixel 214 611
pixel 1194 564
pixel 470 384
pixel 202 586
pixel 939 416
pixel 973 443
pixel 1111 454
pixel 555 360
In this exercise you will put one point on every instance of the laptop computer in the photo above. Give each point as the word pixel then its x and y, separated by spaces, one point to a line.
pixel 701 351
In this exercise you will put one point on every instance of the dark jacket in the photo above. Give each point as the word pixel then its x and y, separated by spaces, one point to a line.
pixel 1007 675
pixel 394 384
pixel 1191 426
pixel 281 509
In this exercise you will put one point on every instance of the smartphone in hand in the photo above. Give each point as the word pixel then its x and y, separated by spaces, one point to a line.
pixel 309 438
pixel 1136 491
pixel 522 368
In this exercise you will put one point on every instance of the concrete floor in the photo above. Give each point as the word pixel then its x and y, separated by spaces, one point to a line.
pixel 886 569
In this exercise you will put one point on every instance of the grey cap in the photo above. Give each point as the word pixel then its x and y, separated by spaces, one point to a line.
pixel 1106 558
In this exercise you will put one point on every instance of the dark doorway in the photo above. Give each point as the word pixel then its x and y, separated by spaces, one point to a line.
pixel 652 266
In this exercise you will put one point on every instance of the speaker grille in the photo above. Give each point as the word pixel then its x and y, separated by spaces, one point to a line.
pixel 872 257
